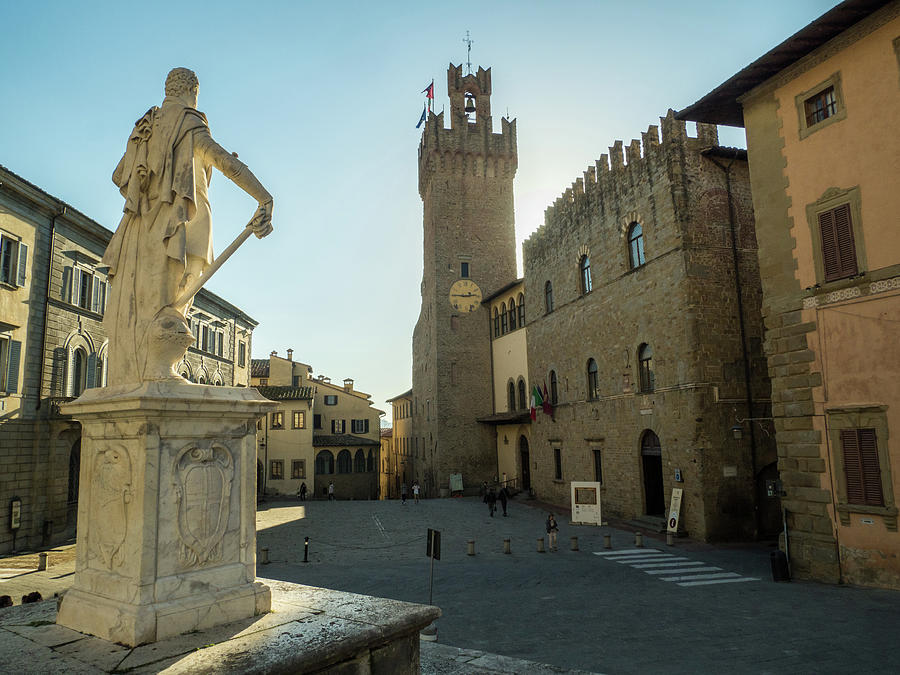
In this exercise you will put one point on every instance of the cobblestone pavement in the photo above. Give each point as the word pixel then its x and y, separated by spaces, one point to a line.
pixel 577 610
pixel 618 611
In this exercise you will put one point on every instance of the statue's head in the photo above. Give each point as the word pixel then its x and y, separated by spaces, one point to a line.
pixel 182 83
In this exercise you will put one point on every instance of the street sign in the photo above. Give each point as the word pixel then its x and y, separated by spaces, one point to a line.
pixel 674 510
pixel 15 513
pixel 433 547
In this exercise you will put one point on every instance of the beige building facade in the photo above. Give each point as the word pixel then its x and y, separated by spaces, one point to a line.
pixel 821 116
pixel 406 463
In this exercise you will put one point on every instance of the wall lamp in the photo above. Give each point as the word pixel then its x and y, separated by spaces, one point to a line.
pixel 738 429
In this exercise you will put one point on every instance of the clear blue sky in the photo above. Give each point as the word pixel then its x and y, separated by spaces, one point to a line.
pixel 321 101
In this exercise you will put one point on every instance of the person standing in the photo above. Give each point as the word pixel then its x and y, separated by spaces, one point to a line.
pixel 403 493
pixel 416 492
pixel 502 496
pixel 331 491
pixel 491 500
pixel 552 530
pixel 302 491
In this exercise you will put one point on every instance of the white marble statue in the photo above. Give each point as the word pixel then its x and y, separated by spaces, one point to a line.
pixel 162 250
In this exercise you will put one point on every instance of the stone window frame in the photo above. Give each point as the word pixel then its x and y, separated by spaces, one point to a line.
pixel 840 113
pixel 830 199
pixel 277 421
pixel 298 469
pixel 276 469
pixel 838 419
pixel 298 419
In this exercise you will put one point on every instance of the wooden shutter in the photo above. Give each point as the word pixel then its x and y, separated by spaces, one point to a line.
pixel 67 285
pixel 95 295
pixel 90 376
pixel 23 258
pixel 852 467
pixel 868 451
pixel 838 247
pixel 12 373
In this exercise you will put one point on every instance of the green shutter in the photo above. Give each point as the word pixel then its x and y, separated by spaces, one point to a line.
pixel 12 377
pixel 23 258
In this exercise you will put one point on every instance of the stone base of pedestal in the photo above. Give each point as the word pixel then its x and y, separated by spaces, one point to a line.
pixel 309 630
pixel 139 624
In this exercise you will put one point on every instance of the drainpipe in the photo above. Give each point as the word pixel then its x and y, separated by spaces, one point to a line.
pixel 59 213
pixel 726 169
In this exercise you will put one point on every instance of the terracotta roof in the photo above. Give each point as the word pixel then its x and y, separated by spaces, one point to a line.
pixel 502 290
pixel 286 393
pixel 405 394
pixel 330 440
pixel 259 367
pixel 387 432
pixel 720 106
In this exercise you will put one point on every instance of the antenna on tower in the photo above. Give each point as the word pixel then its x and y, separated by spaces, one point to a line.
pixel 469 41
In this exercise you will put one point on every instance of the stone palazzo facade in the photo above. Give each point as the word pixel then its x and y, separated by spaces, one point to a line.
pixel 643 322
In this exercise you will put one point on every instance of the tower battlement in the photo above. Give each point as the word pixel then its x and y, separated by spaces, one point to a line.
pixel 614 174
pixel 467 148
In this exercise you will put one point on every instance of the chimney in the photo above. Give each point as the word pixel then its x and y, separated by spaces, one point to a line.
pixel 290 353
pixel 273 353
pixel 348 384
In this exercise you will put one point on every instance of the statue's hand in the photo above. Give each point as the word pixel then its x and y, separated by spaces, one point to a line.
pixel 261 223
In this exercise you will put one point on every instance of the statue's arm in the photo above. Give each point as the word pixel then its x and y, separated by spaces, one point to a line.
pixel 237 172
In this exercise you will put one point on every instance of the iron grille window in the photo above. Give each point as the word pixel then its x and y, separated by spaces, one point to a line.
pixel 820 106
pixel 838 246
pixel 861 467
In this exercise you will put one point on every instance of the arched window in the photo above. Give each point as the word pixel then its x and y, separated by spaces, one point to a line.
pixel 74 472
pixel 344 463
pixel 370 460
pixel 496 323
pixel 511 395
pixel 645 367
pixel 584 267
pixel 201 380
pixel 521 307
pixel 79 372
pixel 512 314
pixel 503 323
pixel 325 462
pixel 593 381
pixel 548 297
pixel 554 389
pixel 523 395
pixel 359 461
pixel 635 245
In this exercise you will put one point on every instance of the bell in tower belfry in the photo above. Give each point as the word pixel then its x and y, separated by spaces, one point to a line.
pixel 470 104
pixel 468 94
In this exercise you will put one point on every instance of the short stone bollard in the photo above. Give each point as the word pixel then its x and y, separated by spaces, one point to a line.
pixel 540 548
pixel 263 556
pixel 506 546
pixel 607 541
pixel 670 538
pixel 42 561
pixel 638 540
pixel 574 543
pixel 470 547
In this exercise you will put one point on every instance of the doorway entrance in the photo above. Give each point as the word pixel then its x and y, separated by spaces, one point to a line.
pixel 524 457
pixel 651 460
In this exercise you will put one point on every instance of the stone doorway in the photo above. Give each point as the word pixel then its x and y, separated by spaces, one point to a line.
pixel 524 457
pixel 651 460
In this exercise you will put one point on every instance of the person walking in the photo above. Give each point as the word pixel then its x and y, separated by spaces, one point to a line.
pixel 331 491
pixel 502 496
pixel 491 500
pixel 552 530
pixel 416 492
pixel 403 492
pixel 302 491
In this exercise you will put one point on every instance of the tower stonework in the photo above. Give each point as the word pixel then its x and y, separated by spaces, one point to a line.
pixel 466 183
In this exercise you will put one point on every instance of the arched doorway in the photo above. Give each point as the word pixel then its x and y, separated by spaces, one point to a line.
pixel 651 460
pixel 524 457
pixel 74 484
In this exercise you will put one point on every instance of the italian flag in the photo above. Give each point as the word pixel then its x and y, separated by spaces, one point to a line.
pixel 536 400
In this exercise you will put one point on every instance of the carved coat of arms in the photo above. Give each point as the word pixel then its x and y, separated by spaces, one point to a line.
pixel 203 478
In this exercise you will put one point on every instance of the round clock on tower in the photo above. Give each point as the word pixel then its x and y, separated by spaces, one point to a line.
pixel 465 296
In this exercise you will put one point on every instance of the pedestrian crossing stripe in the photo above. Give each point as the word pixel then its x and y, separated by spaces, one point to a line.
pixel 682 571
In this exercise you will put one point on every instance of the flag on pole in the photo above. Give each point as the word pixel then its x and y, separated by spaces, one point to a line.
pixel 536 400
pixel 429 94
pixel 548 407
pixel 423 117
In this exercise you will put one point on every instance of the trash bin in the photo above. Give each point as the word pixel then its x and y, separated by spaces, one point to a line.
pixel 780 571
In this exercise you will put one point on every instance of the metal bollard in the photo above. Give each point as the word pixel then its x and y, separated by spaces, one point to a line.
pixel 607 541
pixel 638 540
pixel 540 548
pixel 306 549
pixel 471 547
pixel 263 556
pixel 42 562
pixel 506 546
pixel 670 538
pixel 574 543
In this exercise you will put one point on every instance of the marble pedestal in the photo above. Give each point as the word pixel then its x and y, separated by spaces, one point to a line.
pixel 166 511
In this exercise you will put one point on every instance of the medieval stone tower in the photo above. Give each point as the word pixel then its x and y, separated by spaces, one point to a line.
pixel 466 184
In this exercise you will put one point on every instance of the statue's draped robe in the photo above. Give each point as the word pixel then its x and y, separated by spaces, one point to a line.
pixel 165 233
